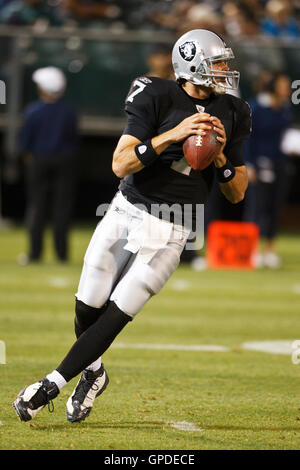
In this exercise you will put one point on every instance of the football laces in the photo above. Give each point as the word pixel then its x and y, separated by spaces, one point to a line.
pixel 199 141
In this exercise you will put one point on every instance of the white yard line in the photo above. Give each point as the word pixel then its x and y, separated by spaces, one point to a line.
pixel 296 288
pixel 59 282
pixel 180 284
pixel 184 426
pixel 283 347
pixel 173 347
pixel 272 347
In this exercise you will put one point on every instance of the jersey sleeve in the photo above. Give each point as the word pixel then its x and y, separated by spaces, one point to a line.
pixel 141 106
pixel 235 153
pixel 241 132
pixel 138 128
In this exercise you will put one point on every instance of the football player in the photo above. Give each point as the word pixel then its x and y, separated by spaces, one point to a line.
pixel 133 251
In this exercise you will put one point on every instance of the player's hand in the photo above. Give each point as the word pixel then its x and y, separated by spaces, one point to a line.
pixel 220 129
pixel 192 125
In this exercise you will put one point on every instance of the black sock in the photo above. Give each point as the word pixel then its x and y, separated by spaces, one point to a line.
pixel 94 341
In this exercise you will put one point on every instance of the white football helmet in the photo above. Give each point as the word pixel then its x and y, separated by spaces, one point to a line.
pixel 194 55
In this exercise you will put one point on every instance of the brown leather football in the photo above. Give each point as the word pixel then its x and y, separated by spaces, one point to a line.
pixel 201 150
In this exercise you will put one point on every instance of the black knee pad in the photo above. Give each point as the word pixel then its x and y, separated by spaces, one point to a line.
pixel 85 316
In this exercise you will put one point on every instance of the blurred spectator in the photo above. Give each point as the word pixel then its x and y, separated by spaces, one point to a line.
pixel 279 21
pixel 91 10
pixel 174 18
pixel 186 15
pixel 234 18
pixel 3 3
pixel 240 19
pixel 27 12
pixel 160 62
pixel 267 165
pixel 201 16
pixel 49 142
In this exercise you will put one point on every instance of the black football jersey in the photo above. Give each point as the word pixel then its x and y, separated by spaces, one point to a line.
pixel 154 106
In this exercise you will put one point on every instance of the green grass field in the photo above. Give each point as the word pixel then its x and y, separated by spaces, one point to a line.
pixel 236 398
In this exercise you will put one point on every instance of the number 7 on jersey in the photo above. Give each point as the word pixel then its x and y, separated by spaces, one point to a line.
pixel 140 87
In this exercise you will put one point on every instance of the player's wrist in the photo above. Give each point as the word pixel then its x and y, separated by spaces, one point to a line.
pixel 146 153
pixel 226 172
pixel 220 160
pixel 162 141
pixel 171 137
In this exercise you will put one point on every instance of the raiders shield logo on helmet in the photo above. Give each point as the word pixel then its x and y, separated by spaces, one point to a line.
pixel 187 50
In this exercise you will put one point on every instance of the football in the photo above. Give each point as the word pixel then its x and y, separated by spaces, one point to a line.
pixel 201 150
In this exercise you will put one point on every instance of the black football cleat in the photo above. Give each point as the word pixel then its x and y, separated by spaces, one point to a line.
pixel 90 385
pixel 34 398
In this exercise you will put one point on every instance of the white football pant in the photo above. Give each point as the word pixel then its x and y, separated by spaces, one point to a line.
pixel 130 257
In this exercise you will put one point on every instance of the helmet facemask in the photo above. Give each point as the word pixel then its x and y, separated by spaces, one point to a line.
pixel 220 80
